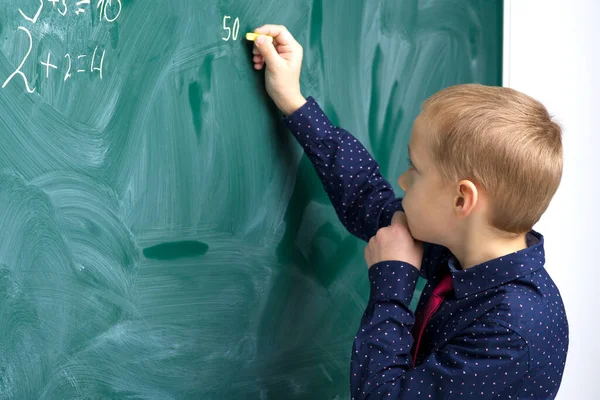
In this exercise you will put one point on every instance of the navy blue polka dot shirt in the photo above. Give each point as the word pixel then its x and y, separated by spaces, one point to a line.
pixel 501 333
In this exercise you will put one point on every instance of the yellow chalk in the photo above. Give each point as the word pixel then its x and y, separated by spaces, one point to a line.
pixel 253 36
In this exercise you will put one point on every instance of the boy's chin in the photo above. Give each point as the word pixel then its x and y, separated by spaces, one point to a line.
pixel 416 233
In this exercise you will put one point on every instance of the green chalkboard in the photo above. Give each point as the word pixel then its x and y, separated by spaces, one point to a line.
pixel 162 235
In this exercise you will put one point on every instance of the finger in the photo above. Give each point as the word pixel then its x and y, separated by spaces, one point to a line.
pixel 399 218
pixel 258 59
pixel 278 32
pixel 268 52
pixel 284 48
pixel 255 49
pixel 382 231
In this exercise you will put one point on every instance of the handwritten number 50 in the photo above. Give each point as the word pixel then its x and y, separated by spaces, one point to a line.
pixel 236 28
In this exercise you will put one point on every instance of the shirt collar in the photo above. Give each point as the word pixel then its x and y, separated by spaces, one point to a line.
pixel 499 270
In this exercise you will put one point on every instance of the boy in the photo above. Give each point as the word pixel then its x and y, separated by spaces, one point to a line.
pixel 485 163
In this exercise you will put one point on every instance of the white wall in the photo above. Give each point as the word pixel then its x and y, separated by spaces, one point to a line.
pixel 552 53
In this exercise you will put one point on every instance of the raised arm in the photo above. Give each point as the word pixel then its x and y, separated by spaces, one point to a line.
pixel 363 200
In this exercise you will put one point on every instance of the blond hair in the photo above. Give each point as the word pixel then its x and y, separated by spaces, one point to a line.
pixel 502 140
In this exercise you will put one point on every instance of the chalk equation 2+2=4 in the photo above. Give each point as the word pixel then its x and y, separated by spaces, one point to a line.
pixel 68 62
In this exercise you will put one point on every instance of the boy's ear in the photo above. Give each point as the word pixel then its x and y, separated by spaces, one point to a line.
pixel 466 198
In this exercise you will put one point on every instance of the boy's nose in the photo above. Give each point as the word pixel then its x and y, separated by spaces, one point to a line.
pixel 402 182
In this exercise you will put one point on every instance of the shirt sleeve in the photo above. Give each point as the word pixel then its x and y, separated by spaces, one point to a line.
pixel 362 199
pixel 480 362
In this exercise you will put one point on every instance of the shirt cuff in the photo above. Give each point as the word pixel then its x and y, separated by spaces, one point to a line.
pixel 308 119
pixel 393 280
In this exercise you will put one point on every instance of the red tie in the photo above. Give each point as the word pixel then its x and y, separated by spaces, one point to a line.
pixel 437 297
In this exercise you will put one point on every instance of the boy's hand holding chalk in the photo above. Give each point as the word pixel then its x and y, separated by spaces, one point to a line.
pixel 275 46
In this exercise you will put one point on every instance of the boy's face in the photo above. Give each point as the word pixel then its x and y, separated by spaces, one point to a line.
pixel 427 201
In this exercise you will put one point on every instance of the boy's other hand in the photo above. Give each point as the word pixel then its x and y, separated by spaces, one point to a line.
pixel 394 243
pixel 283 56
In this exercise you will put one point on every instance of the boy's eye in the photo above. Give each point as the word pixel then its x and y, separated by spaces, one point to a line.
pixel 410 163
